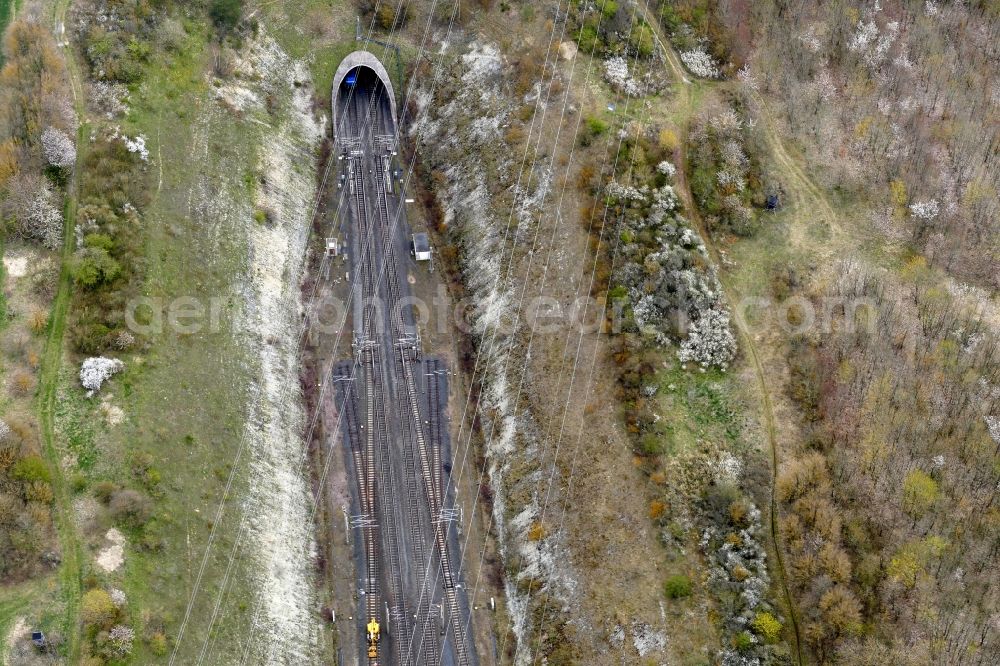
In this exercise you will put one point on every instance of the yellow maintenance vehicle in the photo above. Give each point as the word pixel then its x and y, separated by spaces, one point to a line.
pixel 373 636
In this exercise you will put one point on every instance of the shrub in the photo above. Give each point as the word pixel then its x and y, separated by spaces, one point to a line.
pixel 38 320
pixel 130 507
pixel 78 483
pixel 22 382
pixel 657 509
pixel 152 536
pixel 743 641
pixel 920 492
pixel 641 40
pixel 738 512
pixel 536 532
pixel 226 14
pixel 32 468
pixel 102 241
pixel 38 491
pixel 678 586
pixel 103 491
pixel 158 644
pixel 93 266
pixel 668 140
pixel 9 506
pixel 392 17
pixel 767 627
pixel 151 478
pixel 8 454
pixel 97 608
pixel 651 444
pixel 589 40
pixel 596 126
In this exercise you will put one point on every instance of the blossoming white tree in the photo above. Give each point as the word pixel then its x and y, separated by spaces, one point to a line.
pixel 121 638
pixel 616 73
pixel 701 64
pixel 925 210
pixel 118 597
pixel 710 340
pixel 667 169
pixel 32 203
pixel 58 148
pixel 96 369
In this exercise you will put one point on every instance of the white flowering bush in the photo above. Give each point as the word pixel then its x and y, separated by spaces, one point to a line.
pixel 111 99
pixel 701 64
pixel 710 340
pixel 866 34
pixel 616 70
pixel 58 148
pixel 871 44
pixel 135 145
pixel 121 638
pixel 96 370
pixel 669 275
pixel 4 430
pixel 38 212
pixel 732 544
pixel 726 179
pixel 730 179
pixel 118 597
pixel 925 210
pixel 746 77
pixel 624 192
pixel 667 169
pixel 124 340
pixel 993 425
pixel 810 40
pixel 825 86
pixel 616 73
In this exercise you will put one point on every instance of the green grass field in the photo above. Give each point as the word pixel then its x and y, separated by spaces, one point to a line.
pixel 6 11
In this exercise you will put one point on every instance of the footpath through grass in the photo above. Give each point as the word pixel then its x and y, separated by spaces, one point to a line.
pixel 69 576
pixel 689 99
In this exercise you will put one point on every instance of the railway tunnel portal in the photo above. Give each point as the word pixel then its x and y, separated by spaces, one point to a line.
pixel 360 69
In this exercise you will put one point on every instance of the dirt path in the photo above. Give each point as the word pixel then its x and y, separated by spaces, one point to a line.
pixel 806 195
pixel 70 569
pixel 733 296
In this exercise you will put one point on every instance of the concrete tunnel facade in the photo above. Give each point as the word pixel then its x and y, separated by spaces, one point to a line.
pixel 367 60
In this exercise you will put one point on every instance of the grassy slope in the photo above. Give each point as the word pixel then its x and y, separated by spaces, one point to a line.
pixel 185 397
pixel 322 50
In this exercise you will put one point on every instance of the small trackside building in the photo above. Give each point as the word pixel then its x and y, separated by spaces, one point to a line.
pixel 421 247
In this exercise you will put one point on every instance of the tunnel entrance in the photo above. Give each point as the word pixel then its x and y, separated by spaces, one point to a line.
pixel 361 77
pixel 363 104
pixel 362 89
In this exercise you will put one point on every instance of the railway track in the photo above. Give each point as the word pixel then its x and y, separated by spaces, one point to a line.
pixel 396 454
pixel 408 355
